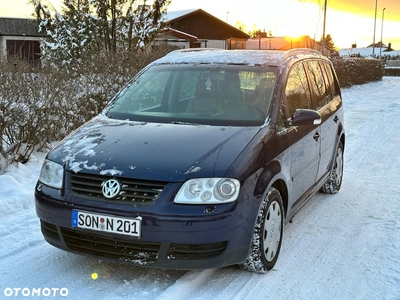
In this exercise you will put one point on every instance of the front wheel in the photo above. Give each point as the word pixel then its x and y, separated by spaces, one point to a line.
pixel 334 181
pixel 267 235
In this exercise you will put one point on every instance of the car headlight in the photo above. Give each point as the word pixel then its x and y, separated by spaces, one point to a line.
pixel 52 174
pixel 208 191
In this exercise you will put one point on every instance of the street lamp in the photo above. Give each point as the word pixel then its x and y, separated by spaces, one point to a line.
pixel 323 31
pixel 383 15
pixel 373 42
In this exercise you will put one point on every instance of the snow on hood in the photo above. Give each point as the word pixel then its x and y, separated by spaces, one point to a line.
pixel 164 152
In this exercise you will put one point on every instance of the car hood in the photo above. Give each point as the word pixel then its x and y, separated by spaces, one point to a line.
pixel 156 151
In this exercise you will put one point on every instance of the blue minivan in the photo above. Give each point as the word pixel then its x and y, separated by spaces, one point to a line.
pixel 198 162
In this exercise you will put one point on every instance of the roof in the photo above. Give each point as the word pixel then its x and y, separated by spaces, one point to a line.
pixel 18 27
pixel 178 34
pixel 173 17
pixel 233 57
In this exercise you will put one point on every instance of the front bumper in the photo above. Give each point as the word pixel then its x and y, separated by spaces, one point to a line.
pixel 173 236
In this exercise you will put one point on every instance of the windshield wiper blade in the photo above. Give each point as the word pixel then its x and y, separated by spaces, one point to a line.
pixel 185 123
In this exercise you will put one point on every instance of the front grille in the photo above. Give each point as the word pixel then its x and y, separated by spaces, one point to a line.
pixel 110 246
pixel 198 251
pixel 133 191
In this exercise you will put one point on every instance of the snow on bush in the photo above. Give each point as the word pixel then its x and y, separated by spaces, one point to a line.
pixel 42 105
pixel 88 27
pixel 354 70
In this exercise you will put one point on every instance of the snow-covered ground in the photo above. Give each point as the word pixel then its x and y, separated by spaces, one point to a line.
pixel 366 52
pixel 343 246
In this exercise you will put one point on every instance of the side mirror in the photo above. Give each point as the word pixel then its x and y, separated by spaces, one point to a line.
pixel 305 117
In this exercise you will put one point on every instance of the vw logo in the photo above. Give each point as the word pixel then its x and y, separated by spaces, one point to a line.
pixel 111 188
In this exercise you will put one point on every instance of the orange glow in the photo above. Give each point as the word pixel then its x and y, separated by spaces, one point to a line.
pixel 348 21
pixel 364 8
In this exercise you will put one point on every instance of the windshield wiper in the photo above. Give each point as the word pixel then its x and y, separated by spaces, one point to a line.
pixel 185 123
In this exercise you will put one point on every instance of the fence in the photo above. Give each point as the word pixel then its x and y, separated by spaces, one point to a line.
pixel 392 68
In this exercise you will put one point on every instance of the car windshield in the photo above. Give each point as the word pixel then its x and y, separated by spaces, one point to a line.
pixel 200 94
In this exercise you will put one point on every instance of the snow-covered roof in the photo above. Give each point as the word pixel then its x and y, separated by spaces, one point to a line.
pixel 173 16
pixel 232 57
pixel 178 34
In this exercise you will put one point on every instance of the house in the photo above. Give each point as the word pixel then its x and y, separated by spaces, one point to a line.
pixel 197 28
pixel 19 38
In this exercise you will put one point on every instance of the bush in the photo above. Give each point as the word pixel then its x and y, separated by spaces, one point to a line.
pixel 354 70
pixel 42 105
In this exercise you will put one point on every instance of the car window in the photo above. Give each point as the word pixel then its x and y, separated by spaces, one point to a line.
pixel 297 91
pixel 317 83
pixel 258 88
pixel 333 84
pixel 150 90
pixel 187 89
pixel 201 94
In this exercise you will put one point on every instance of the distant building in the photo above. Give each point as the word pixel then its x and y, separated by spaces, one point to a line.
pixel 196 28
pixel 282 43
pixel 367 52
pixel 19 38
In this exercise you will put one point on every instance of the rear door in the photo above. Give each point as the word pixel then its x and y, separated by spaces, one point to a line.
pixel 327 100
pixel 304 140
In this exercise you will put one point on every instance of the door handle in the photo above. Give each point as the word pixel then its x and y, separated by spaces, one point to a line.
pixel 316 136
pixel 336 119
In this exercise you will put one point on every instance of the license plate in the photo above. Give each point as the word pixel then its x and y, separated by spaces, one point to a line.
pixel 105 223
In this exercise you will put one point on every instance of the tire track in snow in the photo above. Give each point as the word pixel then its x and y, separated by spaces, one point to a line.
pixel 198 285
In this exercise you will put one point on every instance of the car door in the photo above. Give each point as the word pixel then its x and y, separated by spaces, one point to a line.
pixel 327 101
pixel 304 140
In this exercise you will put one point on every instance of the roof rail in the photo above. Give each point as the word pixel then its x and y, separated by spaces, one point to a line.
pixel 185 50
pixel 300 51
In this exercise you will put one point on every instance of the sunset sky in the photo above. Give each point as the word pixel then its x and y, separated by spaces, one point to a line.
pixel 348 21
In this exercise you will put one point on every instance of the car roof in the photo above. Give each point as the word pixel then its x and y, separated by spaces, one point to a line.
pixel 235 57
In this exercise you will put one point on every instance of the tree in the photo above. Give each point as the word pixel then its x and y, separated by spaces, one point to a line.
pixel 258 33
pixel 254 32
pixel 329 42
pixel 240 25
pixel 87 27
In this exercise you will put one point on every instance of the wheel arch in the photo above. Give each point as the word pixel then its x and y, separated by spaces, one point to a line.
pixel 341 135
pixel 270 177
pixel 280 185
pixel 342 140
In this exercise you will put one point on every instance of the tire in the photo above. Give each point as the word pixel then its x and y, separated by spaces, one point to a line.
pixel 267 235
pixel 334 181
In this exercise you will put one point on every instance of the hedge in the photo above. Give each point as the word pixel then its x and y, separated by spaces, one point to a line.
pixel 353 71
